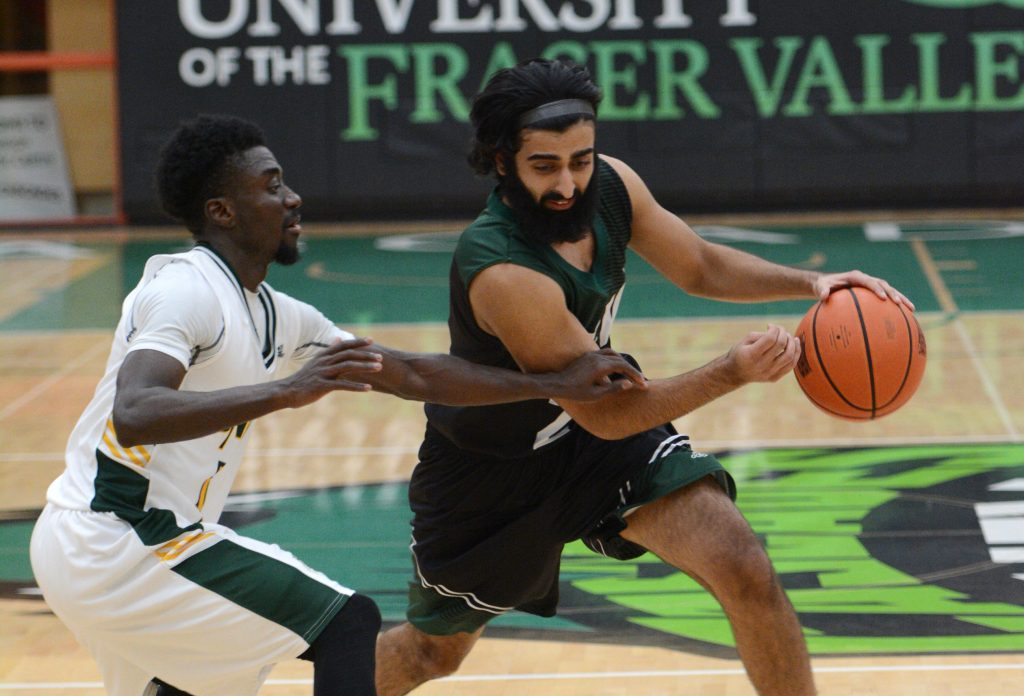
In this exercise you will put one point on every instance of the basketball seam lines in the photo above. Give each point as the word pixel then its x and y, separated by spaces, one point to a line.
pixel 910 356
pixel 867 351
pixel 824 371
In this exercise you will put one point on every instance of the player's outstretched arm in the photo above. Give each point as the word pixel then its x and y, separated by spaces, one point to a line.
pixel 722 272
pixel 149 408
pixel 445 379
pixel 543 335
pixel 762 356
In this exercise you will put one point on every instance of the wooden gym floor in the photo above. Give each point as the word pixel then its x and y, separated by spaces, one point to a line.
pixel 900 541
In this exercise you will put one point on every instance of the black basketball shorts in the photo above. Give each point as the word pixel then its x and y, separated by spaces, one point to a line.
pixel 488 532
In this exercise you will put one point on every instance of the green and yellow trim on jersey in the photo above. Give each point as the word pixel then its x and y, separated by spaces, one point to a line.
pixel 136 456
pixel 123 491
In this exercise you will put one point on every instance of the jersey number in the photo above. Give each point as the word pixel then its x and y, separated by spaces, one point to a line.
pixel 238 431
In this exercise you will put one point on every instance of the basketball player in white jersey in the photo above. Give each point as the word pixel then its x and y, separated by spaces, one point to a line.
pixel 128 551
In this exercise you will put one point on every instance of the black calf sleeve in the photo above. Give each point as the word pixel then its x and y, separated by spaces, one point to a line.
pixel 165 689
pixel 343 655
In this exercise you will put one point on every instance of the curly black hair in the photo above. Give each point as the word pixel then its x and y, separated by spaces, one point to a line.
pixel 511 92
pixel 196 162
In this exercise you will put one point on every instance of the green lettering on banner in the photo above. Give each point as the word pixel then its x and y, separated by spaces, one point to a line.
pixel 687 81
pixel 871 46
pixel 611 78
pixel 795 77
pixel 445 85
pixel 767 96
pixel 989 67
pixel 360 91
pixel 928 56
pixel 820 71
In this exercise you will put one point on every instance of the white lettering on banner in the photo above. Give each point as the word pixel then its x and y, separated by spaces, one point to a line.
pixel 498 16
pixel 344 22
pixel 305 14
pixel 599 11
pixel 538 11
pixel 673 17
pixel 201 67
pixel 193 19
pixel 738 14
pixel 394 14
pixel 273 65
pixel 625 16
pixel 449 21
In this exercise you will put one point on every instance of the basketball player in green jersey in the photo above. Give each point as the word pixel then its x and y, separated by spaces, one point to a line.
pixel 128 551
pixel 535 282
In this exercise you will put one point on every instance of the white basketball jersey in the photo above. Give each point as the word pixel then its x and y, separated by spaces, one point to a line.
pixel 165 488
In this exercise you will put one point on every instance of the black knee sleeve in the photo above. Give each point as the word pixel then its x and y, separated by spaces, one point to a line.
pixel 343 655
pixel 358 622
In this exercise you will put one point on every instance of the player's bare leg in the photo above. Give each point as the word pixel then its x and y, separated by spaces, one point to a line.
pixel 700 531
pixel 408 657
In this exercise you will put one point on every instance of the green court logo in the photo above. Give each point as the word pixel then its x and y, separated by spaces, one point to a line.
pixel 889 550
pixel 908 550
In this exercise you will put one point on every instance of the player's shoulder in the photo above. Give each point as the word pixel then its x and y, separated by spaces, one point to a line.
pixel 174 293
pixel 623 171
pixel 494 239
pixel 614 162
pixel 491 234
pixel 629 183
pixel 178 276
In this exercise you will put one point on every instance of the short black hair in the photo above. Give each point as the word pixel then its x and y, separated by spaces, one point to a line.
pixel 511 92
pixel 195 163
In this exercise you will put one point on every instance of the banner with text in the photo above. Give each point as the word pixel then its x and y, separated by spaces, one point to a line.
pixel 719 105
pixel 34 179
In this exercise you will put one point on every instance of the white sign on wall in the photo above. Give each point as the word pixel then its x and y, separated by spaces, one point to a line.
pixel 34 181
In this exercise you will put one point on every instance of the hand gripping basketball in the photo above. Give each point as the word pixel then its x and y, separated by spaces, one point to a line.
pixel 863 357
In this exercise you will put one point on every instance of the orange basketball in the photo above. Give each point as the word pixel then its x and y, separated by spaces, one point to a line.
pixel 863 357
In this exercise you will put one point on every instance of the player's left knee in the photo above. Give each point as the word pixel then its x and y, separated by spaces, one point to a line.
pixel 746 572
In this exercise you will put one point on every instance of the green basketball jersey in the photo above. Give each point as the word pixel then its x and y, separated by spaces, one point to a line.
pixel 515 430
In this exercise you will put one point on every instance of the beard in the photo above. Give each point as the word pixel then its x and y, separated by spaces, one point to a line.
pixel 543 224
pixel 287 254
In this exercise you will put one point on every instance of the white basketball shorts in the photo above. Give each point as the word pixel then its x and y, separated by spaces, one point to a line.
pixel 210 611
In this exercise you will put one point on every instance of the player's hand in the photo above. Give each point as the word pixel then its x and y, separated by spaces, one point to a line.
pixel 333 369
pixel 765 356
pixel 828 282
pixel 597 374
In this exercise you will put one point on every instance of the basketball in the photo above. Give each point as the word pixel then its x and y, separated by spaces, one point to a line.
pixel 863 357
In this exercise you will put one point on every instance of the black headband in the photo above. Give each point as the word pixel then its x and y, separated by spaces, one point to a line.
pixel 562 107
